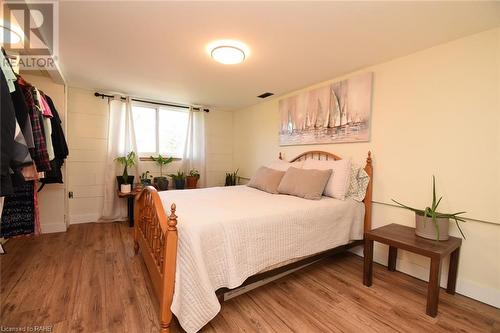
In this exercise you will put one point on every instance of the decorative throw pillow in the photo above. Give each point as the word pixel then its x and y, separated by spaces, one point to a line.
pixel 358 184
pixel 338 184
pixel 266 179
pixel 283 165
pixel 307 184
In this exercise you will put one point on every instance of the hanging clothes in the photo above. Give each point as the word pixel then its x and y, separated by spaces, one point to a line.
pixel 39 154
pixel 47 126
pixel 22 115
pixel 58 139
pixel 46 111
pixel 18 213
pixel 10 76
pixel 32 141
pixel 18 216
pixel 59 144
pixel 7 133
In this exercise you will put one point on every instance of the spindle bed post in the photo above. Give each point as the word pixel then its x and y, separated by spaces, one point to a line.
pixel 155 235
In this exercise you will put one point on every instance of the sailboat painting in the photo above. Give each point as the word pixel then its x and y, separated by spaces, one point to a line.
pixel 339 112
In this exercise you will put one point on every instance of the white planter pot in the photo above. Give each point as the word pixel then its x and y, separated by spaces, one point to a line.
pixel 425 227
pixel 125 188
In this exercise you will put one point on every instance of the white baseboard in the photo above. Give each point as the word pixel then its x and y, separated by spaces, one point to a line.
pixel 464 287
pixel 83 218
pixel 53 227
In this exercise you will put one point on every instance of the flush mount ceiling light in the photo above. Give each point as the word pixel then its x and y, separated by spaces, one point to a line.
pixel 228 52
pixel 10 33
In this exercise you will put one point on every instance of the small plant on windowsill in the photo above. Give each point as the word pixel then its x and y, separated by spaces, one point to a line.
pixel 231 178
pixel 430 223
pixel 179 179
pixel 161 183
pixel 192 178
pixel 146 178
pixel 125 181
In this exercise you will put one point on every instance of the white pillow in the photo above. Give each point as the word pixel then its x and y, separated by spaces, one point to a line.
pixel 338 184
pixel 281 165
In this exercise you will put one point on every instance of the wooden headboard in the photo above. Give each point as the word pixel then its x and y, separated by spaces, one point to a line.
pixel 323 155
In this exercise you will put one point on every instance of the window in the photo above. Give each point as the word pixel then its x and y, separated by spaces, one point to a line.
pixel 160 130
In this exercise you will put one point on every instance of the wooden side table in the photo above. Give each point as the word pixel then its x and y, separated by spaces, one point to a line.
pixel 403 237
pixel 130 204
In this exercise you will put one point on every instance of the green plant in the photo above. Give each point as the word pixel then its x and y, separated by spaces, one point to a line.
pixel 162 162
pixel 179 176
pixel 432 212
pixel 146 176
pixel 194 173
pixel 127 161
pixel 231 178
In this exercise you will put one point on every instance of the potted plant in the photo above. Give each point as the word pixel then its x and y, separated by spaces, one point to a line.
pixel 231 178
pixel 192 178
pixel 431 224
pixel 161 183
pixel 179 179
pixel 146 178
pixel 125 181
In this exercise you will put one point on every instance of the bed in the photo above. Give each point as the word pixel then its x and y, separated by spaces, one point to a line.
pixel 229 237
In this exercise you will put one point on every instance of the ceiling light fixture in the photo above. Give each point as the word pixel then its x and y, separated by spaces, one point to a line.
pixel 10 33
pixel 228 52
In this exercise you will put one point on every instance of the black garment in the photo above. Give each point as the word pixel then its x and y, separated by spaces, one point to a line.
pixel 22 115
pixel 59 144
pixel 7 132
pixel 18 217
pixel 61 151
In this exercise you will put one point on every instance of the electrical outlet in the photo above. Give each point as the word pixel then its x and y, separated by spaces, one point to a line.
pixel 70 194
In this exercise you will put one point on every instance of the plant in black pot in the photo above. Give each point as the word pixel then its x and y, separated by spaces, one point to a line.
pixel 125 181
pixel 146 178
pixel 430 223
pixel 179 179
pixel 192 178
pixel 161 183
pixel 231 178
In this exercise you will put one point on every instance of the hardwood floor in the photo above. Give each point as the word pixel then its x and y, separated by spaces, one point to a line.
pixel 88 280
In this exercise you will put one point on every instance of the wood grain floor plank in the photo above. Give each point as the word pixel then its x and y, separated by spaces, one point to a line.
pixel 89 280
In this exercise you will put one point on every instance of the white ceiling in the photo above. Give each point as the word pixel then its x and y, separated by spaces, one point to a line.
pixel 157 49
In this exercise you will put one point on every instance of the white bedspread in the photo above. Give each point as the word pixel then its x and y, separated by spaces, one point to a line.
pixel 227 234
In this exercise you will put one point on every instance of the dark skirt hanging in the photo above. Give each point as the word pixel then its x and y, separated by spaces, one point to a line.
pixel 18 217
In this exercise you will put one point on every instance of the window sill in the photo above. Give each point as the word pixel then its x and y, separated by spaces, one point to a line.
pixel 148 158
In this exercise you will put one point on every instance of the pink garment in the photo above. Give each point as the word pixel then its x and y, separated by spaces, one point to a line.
pixel 44 106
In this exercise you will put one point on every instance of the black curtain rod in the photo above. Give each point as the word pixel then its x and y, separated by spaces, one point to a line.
pixel 150 102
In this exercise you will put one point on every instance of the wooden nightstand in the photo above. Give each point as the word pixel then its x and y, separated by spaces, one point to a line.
pixel 402 237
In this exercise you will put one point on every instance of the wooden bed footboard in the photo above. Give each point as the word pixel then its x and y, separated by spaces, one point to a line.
pixel 155 235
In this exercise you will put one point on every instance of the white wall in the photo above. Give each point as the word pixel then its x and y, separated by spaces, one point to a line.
pixel 434 112
pixel 87 140
pixel 52 199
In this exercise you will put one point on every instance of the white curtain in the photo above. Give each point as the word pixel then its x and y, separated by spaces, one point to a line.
pixel 121 141
pixel 194 151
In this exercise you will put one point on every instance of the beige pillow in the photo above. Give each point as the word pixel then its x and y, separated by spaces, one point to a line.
pixel 338 184
pixel 266 179
pixel 307 184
